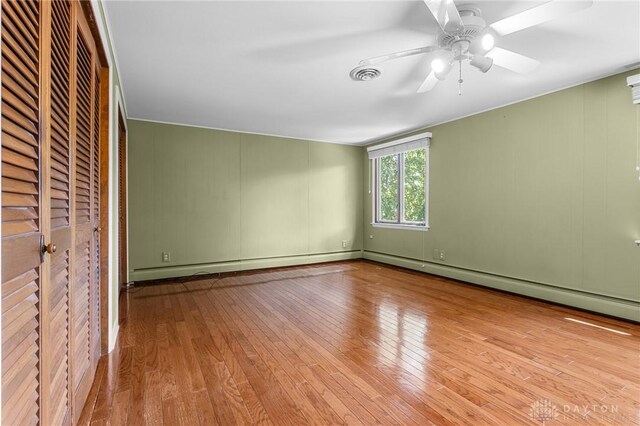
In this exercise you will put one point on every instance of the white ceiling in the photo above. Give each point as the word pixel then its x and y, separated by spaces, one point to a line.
pixel 282 68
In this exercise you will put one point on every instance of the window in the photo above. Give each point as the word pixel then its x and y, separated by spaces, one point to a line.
pixel 400 183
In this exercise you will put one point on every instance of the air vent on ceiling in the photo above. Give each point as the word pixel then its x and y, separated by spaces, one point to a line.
pixel 365 73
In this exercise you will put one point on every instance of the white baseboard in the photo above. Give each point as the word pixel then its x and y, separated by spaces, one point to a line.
pixel 620 308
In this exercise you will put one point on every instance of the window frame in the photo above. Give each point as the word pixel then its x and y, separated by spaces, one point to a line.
pixel 401 223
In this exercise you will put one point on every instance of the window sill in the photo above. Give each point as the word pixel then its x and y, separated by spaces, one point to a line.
pixel 422 228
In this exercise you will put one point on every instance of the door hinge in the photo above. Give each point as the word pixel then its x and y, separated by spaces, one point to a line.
pixel 42 252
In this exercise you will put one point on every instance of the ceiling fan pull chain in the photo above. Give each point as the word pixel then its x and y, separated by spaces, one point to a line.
pixel 460 76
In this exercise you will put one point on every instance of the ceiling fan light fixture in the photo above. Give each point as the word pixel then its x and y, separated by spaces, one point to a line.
pixel 483 63
pixel 440 68
pixel 487 42
pixel 437 65
pixel 482 44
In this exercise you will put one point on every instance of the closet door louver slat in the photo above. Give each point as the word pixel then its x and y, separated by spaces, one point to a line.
pixel 83 132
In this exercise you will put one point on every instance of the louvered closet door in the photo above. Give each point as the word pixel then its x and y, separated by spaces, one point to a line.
pixel 21 218
pixel 50 183
pixel 60 214
pixel 84 284
pixel 95 222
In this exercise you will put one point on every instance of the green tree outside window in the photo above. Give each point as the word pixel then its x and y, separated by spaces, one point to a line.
pixel 401 186
pixel 389 168
pixel 414 181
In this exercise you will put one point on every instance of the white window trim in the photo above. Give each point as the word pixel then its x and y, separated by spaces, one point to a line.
pixel 403 226
pixel 398 146
pixel 375 191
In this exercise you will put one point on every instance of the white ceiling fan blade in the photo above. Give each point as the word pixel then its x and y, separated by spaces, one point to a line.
pixel 429 83
pixel 512 61
pixel 396 55
pixel 446 13
pixel 538 15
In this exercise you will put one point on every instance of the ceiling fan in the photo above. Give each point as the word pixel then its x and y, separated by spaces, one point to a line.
pixel 465 36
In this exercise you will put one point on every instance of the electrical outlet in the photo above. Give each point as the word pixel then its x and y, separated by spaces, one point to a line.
pixel 441 255
pixel 166 256
pixel 371 236
pixel 344 243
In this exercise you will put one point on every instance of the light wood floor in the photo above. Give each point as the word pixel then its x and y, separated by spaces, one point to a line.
pixel 361 343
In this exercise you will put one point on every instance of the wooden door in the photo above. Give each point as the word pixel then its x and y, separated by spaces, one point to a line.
pixel 59 165
pixel 50 200
pixel 22 223
pixel 85 286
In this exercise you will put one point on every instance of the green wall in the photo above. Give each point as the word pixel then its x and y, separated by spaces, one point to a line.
pixel 540 198
pixel 220 201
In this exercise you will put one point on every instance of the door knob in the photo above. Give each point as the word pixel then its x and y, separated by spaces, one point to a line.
pixel 49 248
pixel 98 229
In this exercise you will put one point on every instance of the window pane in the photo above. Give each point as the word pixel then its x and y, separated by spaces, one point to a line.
pixel 389 188
pixel 413 186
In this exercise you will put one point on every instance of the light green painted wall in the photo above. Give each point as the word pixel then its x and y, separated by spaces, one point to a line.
pixel 219 200
pixel 539 198
pixel 544 191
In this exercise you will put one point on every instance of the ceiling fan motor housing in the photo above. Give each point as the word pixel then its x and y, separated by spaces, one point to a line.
pixel 474 27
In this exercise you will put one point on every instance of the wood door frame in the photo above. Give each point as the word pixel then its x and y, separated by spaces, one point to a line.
pixel 105 174
pixel 123 191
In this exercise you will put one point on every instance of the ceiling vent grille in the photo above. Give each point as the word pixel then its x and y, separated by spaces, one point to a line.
pixel 365 73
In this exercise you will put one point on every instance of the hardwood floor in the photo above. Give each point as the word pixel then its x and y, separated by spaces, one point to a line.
pixel 361 343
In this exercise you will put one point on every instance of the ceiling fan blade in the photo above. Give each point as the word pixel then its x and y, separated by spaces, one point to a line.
pixel 539 15
pixel 429 83
pixel 512 61
pixel 446 13
pixel 396 55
